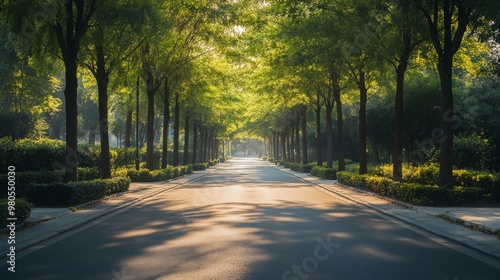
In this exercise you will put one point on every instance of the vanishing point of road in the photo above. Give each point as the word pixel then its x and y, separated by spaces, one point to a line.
pixel 250 221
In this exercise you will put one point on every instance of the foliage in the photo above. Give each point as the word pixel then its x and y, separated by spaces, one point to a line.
pixel 31 155
pixel 28 177
pixel 146 175
pixel 417 194
pixel 428 174
pixel 199 166
pixel 302 168
pixel 88 173
pixel 470 151
pixel 324 172
pixel 22 210
pixel 72 193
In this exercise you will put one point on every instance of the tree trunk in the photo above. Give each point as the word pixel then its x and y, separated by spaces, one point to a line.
pixel 128 129
pixel 150 127
pixel 102 85
pixel 70 94
pixel 202 145
pixel 177 113
pixel 329 135
pixel 288 146
pixel 319 157
pixel 186 140
pixel 303 114
pixel 166 120
pixel 447 119
pixel 69 44
pixel 209 144
pixel 291 144
pixel 297 137
pixel 283 146
pixel 195 143
pixel 92 134
pixel 397 152
pixel 362 123
pixel 340 130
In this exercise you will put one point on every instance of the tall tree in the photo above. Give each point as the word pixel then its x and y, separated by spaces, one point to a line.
pixel 448 21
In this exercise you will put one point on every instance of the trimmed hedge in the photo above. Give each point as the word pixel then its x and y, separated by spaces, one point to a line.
pixel 88 173
pixel 22 211
pixel 29 177
pixel 213 162
pixel 428 175
pixel 413 193
pixel 72 193
pixel 324 172
pixel 117 185
pixel 199 166
pixel 302 168
pixel 145 175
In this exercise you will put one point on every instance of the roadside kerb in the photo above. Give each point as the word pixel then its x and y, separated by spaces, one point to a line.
pixel 68 221
pixel 409 214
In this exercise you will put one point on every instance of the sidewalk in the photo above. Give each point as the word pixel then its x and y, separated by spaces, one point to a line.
pixel 50 222
pixel 423 217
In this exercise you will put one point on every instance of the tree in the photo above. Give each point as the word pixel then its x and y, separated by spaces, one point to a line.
pixel 448 21
pixel 114 35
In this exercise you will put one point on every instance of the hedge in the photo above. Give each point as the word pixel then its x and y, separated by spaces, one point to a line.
pixel 146 175
pixel 302 168
pixel 428 175
pixel 324 172
pixel 413 193
pixel 199 166
pixel 72 193
pixel 22 211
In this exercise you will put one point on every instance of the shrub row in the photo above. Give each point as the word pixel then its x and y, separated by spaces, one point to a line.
pixel 413 193
pixel 213 162
pixel 302 168
pixel 22 211
pixel 72 193
pixel 146 175
pixel 199 166
pixel 428 175
pixel 324 172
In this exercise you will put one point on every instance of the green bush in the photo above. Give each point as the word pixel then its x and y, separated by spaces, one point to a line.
pixel 496 188
pixel 22 211
pixel 324 172
pixel 302 168
pixel 28 177
pixel 72 193
pixel 199 166
pixel 145 175
pixel 470 151
pixel 124 157
pixel 88 173
pixel 413 193
pixel 32 155
pixel 117 185
pixel 287 164
pixel 306 168
pixel 64 194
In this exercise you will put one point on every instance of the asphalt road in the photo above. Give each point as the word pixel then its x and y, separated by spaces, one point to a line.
pixel 249 221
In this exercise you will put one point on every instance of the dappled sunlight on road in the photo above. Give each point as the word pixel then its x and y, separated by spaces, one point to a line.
pixel 248 221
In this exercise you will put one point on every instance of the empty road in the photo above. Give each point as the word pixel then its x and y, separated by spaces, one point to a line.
pixel 249 221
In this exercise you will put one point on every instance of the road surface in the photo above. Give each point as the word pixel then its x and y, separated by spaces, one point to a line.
pixel 249 221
